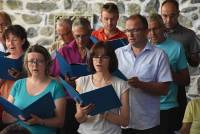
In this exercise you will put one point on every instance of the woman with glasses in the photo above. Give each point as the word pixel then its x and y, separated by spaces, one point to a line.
pixel 37 62
pixel 102 63
pixel 76 52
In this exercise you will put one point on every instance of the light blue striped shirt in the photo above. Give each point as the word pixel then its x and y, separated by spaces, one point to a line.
pixel 151 65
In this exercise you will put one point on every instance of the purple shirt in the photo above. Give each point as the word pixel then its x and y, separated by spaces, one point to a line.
pixel 71 55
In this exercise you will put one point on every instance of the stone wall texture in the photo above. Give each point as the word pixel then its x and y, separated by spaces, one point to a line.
pixel 38 16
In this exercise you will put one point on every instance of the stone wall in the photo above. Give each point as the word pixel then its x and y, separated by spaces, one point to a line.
pixel 38 17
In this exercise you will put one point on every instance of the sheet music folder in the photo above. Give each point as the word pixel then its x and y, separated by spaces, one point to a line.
pixel 104 98
pixel 117 43
pixel 71 70
pixel 43 107
pixel 77 70
pixel 7 63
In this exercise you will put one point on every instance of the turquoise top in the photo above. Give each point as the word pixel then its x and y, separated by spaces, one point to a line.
pixel 22 99
pixel 177 60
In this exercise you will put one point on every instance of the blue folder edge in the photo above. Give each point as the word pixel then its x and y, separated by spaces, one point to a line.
pixel 71 70
pixel 43 107
pixel 104 98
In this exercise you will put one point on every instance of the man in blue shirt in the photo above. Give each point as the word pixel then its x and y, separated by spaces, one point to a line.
pixel 148 72
pixel 178 63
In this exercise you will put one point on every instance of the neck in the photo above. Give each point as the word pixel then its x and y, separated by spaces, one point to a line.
pixel 138 48
pixel 15 55
pixel 111 32
pixel 102 77
pixel 39 79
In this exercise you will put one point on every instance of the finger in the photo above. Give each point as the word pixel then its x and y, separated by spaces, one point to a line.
pixel 21 118
pixel 66 78
pixel 13 69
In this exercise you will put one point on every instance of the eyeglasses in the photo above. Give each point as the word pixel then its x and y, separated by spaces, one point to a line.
pixel 134 31
pixel 103 57
pixel 64 34
pixel 156 29
pixel 81 36
pixel 36 62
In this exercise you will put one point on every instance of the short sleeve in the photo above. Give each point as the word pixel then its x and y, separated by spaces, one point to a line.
pixel 15 87
pixel 164 72
pixel 124 86
pixel 188 113
pixel 182 61
pixel 58 91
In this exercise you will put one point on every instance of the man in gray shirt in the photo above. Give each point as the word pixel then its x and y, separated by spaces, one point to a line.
pixel 189 40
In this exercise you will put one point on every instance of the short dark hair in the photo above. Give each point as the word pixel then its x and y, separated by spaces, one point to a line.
pixel 108 51
pixel 156 17
pixel 43 51
pixel 15 129
pixel 18 31
pixel 83 23
pixel 174 2
pixel 110 8
pixel 142 19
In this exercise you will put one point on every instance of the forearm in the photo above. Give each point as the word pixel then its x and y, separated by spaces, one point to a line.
pixel 52 122
pixel 7 118
pixel 180 79
pixel 185 129
pixel 80 117
pixel 154 88
pixel 117 119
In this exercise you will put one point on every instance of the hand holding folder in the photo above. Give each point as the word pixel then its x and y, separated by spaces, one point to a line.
pixel 43 107
pixel 104 98
pixel 6 64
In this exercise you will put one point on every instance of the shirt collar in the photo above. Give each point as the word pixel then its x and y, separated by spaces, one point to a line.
pixel 146 48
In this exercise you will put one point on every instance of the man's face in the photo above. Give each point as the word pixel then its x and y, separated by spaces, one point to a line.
pixel 64 32
pixel 81 36
pixel 156 32
pixel 109 20
pixel 170 15
pixel 135 32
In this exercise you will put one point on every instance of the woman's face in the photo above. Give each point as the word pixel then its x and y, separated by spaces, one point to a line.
pixel 14 44
pixel 81 36
pixel 36 64
pixel 101 61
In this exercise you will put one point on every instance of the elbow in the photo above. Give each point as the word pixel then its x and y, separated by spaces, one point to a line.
pixel 165 92
pixel 61 123
pixel 187 82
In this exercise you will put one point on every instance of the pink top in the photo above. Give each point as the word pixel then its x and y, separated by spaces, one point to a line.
pixel 71 54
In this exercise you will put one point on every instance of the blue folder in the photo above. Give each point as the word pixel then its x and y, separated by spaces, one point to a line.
pixel 71 70
pixel 104 98
pixel 77 70
pixel 7 63
pixel 117 43
pixel 43 107
pixel 3 53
